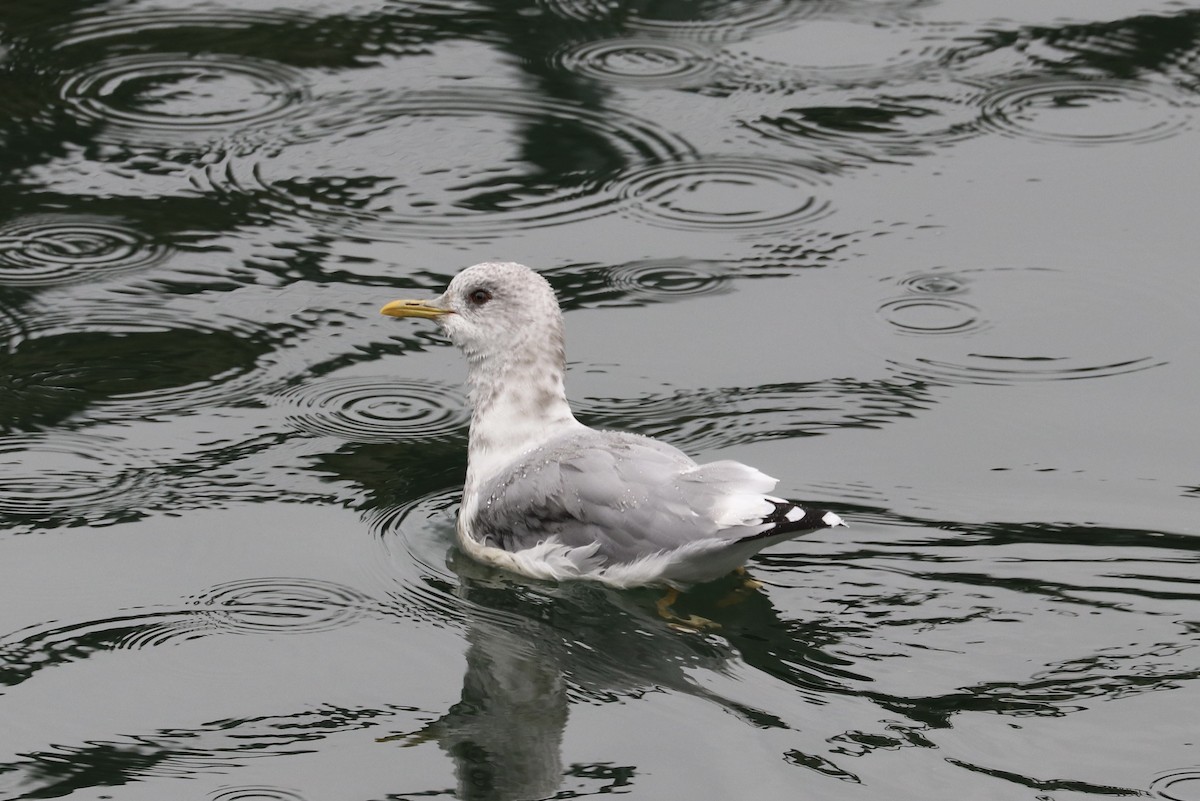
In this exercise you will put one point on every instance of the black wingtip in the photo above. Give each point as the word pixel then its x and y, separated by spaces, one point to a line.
pixel 792 518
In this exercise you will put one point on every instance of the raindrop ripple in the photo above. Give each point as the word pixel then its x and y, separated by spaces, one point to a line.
pixel 1012 331
pixel 839 52
pixel 650 63
pixel 58 249
pixel 255 792
pixel 383 200
pixel 933 283
pixel 419 533
pixel 1083 112
pixel 1178 785
pixel 723 417
pixel 666 279
pixel 176 99
pixel 67 476
pixel 895 125
pixel 730 194
pixel 108 24
pixel 282 605
pixel 708 20
pixel 375 409
pixel 640 282
pixel 931 315
pixel 217 362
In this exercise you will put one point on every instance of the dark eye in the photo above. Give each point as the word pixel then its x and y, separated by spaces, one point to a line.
pixel 478 297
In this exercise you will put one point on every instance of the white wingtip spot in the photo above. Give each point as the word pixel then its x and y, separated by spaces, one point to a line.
pixel 794 514
pixel 830 519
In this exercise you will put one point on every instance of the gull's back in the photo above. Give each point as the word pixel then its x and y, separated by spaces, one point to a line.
pixel 626 509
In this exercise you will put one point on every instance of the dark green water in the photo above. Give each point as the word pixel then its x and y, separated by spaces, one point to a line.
pixel 932 264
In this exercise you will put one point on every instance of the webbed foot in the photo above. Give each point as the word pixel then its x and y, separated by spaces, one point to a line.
pixel 690 624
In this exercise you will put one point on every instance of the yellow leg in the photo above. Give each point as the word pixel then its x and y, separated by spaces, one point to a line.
pixel 666 602
pixel 738 595
pixel 691 623
pixel 748 581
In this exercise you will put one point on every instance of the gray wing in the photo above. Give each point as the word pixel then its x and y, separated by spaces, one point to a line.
pixel 633 495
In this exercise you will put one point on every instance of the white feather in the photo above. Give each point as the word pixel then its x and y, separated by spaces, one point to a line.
pixel 696 521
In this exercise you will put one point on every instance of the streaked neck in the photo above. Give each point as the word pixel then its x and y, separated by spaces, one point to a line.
pixel 516 406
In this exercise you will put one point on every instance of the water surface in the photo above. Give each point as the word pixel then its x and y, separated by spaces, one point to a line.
pixel 930 263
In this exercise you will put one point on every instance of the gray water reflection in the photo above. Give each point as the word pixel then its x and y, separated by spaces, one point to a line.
pixel 578 645
pixel 930 263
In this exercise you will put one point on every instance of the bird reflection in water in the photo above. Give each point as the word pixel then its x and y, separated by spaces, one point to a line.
pixel 535 648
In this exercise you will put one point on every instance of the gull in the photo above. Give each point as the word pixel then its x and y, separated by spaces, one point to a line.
pixel 550 498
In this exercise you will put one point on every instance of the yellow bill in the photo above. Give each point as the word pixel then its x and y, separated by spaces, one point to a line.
pixel 427 309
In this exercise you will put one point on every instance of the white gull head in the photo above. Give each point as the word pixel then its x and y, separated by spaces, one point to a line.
pixel 505 319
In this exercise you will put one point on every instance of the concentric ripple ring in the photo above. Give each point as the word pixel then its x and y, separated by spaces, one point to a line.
pixel 375 409
pixel 933 283
pixel 726 193
pixel 1083 112
pixel 1179 785
pixel 1022 325
pixel 367 194
pixel 931 315
pixel 666 279
pixel 166 98
pixel 639 62
pixel 60 475
pixel 257 792
pixel 57 249
pixel 282 605
pixel 711 20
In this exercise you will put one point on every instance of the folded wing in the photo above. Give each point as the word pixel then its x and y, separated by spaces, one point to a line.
pixel 626 500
